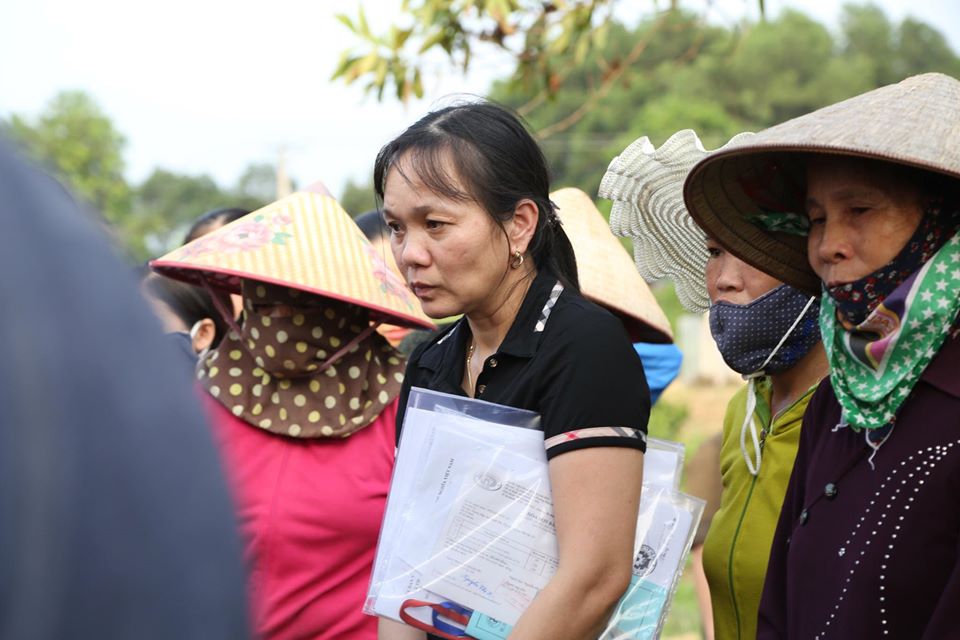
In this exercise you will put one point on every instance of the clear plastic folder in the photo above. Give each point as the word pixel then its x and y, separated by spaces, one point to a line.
pixel 468 539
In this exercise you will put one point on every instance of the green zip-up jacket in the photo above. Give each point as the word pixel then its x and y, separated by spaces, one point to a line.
pixel 737 547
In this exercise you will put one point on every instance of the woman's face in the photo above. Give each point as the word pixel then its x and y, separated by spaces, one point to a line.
pixel 860 219
pixel 451 253
pixel 730 279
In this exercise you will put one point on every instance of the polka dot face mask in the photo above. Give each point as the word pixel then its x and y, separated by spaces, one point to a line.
pixel 283 372
pixel 770 334
pixel 290 336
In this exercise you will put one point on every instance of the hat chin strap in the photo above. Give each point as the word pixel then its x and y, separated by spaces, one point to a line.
pixel 360 337
pixel 228 317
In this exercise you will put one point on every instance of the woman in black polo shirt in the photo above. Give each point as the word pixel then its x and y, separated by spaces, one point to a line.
pixel 465 194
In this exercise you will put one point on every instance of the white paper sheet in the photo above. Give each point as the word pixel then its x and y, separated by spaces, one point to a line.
pixel 662 464
pixel 497 547
pixel 470 520
pixel 439 445
pixel 665 527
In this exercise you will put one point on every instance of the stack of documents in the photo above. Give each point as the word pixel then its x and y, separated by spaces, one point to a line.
pixel 468 539
pixel 666 524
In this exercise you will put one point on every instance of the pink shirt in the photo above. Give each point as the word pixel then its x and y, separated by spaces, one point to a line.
pixel 310 511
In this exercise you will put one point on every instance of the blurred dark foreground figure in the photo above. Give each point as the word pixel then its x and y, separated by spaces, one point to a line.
pixel 114 519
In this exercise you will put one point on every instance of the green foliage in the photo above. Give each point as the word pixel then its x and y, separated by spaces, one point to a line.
pixel 536 34
pixel 666 295
pixel 358 197
pixel 79 145
pixel 256 186
pixel 678 72
pixel 587 84
pixel 166 205
pixel 666 419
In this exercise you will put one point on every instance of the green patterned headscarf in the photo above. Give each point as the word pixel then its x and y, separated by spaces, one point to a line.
pixel 794 224
pixel 875 364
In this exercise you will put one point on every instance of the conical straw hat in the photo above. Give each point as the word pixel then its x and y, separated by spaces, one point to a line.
pixel 305 241
pixel 607 274
pixel 914 123
pixel 646 187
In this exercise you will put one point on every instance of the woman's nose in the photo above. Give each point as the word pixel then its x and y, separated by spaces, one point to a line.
pixel 835 242
pixel 729 279
pixel 413 252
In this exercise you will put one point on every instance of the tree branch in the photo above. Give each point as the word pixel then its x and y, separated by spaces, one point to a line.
pixel 607 84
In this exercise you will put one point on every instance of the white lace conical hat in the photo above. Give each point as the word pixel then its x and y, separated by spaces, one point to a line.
pixel 646 187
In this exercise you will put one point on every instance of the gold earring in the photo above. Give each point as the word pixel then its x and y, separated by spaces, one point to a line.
pixel 517 260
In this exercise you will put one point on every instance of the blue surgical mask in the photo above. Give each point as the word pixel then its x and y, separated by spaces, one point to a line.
pixel 769 334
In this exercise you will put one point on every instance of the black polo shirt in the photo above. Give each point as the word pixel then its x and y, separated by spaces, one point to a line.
pixel 564 357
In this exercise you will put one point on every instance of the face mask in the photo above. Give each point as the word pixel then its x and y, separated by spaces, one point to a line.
pixel 856 300
pixel 770 334
pixel 305 343
pixel 310 372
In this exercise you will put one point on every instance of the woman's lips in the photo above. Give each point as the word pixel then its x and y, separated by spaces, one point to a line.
pixel 421 289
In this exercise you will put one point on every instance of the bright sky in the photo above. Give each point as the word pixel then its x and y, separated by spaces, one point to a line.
pixel 209 86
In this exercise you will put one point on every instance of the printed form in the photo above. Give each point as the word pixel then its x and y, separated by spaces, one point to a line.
pixel 470 517
pixel 496 547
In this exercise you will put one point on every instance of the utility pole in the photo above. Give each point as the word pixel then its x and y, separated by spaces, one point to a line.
pixel 284 187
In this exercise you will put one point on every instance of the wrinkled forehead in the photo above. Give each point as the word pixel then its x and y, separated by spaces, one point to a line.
pixel 849 175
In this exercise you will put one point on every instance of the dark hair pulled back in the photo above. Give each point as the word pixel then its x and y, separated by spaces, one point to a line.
pixel 213 219
pixel 189 303
pixel 495 163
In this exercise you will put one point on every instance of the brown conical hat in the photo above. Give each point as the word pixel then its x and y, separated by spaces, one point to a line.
pixel 914 123
pixel 607 274
pixel 304 241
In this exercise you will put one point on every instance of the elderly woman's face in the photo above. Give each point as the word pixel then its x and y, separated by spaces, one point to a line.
pixel 860 218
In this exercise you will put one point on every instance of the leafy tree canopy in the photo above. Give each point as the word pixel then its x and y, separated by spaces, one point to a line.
pixel 680 72
pixel 78 143
pixel 358 197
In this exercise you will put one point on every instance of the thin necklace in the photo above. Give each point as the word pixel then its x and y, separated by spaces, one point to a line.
pixel 469 356
pixel 473 344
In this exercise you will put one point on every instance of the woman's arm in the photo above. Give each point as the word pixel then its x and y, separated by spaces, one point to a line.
pixel 390 630
pixel 596 496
